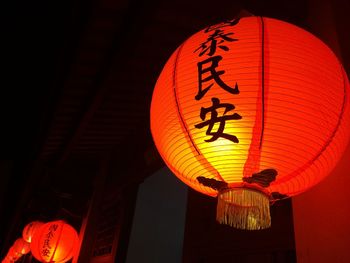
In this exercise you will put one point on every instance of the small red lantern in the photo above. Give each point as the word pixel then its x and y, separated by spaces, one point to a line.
pixel 21 246
pixel 12 255
pixel 6 260
pixel 55 241
pixel 29 230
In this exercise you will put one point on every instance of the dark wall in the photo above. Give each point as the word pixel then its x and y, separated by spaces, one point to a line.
pixel 159 220
pixel 207 241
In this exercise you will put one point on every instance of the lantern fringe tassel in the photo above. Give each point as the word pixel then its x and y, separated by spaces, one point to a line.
pixel 244 209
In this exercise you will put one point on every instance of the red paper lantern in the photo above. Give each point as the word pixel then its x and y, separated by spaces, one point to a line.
pixel 7 259
pixel 252 111
pixel 55 241
pixel 13 255
pixel 30 229
pixel 21 246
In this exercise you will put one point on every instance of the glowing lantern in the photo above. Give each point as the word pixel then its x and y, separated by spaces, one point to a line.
pixel 7 259
pixel 30 229
pixel 55 241
pixel 13 255
pixel 251 111
pixel 21 246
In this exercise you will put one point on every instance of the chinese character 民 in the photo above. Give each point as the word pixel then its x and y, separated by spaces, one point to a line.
pixel 209 66
pixel 47 243
pixel 214 118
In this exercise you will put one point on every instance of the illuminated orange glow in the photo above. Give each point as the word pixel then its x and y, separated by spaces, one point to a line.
pixel 293 103
pixel 6 260
pixel 12 255
pixel 55 241
pixel 29 230
pixel 21 246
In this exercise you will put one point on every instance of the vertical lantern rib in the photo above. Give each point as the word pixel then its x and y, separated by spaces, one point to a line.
pixel 69 254
pixel 330 139
pixel 57 242
pixel 218 175
pixel 176 99
pixel 254 152
pixel 38 244
pixel 262 81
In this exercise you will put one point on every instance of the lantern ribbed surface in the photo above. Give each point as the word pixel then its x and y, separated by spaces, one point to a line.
pixel 21 246
pixel 55 241
pixel 256 103
pixel 30 229
pixel 12 255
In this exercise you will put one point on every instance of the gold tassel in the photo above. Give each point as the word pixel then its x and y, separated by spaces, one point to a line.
pixel 243 208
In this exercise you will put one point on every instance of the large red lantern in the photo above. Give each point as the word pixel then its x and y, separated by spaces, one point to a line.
pixel 30 229
pixel 55 241
pixel 251 110
pixel 21 246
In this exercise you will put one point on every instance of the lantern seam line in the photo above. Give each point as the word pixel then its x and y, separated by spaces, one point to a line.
pixel 68 255
pixel 57 242
pixel 38 243
pixel 252 163
pixel 262 81
pixel 328 142
pixel 176 99
pixel 179 112
pixel 339 119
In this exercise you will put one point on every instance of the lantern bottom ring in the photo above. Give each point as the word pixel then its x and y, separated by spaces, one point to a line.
pixel 243 208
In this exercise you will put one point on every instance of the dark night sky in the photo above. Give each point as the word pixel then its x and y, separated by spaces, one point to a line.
pixel 38 37
pixel 32 40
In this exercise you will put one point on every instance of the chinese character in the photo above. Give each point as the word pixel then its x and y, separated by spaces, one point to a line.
pixel 47 243
pixel 53 227
pixel 226 23
pixel 49 235
pixel 45 252
pixel 213 75
pixel 215 119
pixel 215 40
